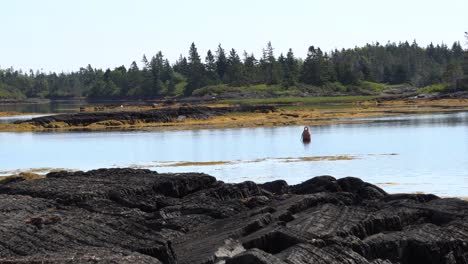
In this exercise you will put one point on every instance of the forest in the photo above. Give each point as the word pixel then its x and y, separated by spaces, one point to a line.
pixel 342 71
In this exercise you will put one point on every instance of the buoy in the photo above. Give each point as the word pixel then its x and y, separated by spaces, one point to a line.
pixel 306 135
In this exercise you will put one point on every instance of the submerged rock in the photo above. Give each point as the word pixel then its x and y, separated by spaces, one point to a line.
pixel 140 216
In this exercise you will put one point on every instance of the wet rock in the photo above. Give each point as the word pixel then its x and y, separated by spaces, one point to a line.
pixel 140 216
pixel 364 189
pixel 276 187
pixel 317 184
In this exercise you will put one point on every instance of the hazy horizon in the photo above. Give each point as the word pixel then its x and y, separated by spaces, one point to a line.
pixel 58 36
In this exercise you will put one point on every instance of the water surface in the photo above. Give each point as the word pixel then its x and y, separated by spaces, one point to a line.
pixel 404 154
pixel 45 107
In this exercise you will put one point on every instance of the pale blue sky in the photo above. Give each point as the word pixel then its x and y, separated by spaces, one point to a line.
pixel 57 35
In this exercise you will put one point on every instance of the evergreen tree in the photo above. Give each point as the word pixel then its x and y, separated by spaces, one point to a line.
pixel 465 58
pixel 250 69
pixel 391 63
pixel 269 66
pixel 234 74
pixel 134 81
pixel 462 84
pixel 210 67
pixel 181 66
pixel 290 69
pixel 457 51
pixel 196 74
pixel 166 72
pixel 120 79
pixel 311 68
pixel 145 62
pixel 221 62
pixel 156 68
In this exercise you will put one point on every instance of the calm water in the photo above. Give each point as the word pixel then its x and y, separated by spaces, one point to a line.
pixel 45 108
pixel 405 154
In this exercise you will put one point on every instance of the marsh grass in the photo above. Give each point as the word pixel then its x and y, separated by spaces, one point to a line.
pixel 320 158
pixel 201 163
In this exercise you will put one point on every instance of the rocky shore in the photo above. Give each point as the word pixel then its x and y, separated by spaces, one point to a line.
pixel 120 118
pixel 140 216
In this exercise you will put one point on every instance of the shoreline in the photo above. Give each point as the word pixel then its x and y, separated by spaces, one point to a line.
pixel 173 167
pixel 300 115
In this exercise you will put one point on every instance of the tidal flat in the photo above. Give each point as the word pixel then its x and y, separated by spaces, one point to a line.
pixel 242 114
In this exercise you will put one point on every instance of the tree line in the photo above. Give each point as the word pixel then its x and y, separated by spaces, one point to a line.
pixel 392 63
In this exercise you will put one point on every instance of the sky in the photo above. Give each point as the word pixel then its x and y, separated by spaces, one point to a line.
pixel 64 35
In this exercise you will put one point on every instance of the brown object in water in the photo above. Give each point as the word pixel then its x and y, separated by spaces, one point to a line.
pixel 306 135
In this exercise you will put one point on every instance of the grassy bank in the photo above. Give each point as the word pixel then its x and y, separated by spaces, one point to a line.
pixel 300 100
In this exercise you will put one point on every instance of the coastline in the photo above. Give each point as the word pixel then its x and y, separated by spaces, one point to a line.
pixel 283 115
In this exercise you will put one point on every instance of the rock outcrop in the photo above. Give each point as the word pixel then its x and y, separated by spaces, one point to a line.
pixel 162 115
pixel 140 216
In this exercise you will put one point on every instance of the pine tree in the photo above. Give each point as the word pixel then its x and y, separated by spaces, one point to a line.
pixel 311 68
pixel 234 72
pixel 250 69
pixel 166 72
pixel 145 62
pixel 221 62
pixel 463 83
pixel 291 69
pixel 134 81
pixel 465 58
pixel 269 66
pixel 156 68
pixel 210 67
pixel 181 66
pixel 196 74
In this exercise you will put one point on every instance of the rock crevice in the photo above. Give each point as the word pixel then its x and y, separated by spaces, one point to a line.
pixel 140 216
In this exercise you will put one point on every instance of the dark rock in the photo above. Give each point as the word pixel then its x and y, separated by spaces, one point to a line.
pixel 317 184
pixel 254 256
pixel 358 186
pixel 276 187
pixel 162 115
pixel 140 216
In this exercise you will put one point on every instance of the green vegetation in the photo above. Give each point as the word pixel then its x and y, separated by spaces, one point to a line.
pixel 362 70
pixel 434 88
pixel 300 100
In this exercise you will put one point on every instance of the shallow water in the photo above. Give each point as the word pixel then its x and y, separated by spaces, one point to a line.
pixel 426 153
pixel 45 108
pixel 11 119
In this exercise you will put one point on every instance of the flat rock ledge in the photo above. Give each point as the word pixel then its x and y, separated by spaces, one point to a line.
pixel 141 216
pixel 162 115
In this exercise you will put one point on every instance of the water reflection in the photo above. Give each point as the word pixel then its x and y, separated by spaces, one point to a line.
pixel 11 119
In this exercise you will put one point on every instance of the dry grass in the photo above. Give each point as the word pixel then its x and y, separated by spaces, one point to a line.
pixel 319 158
pixel 26 176
pixel 202 163
pixel 136 166
pixel 4 114
pixel 387 183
